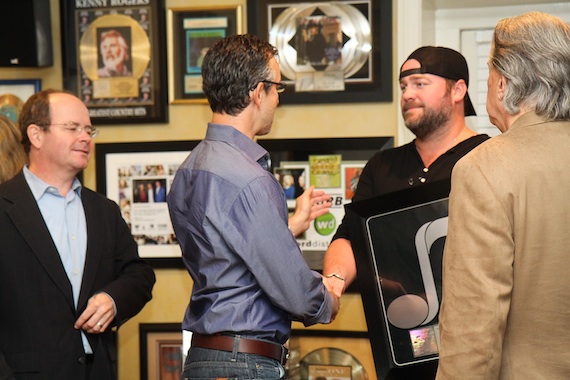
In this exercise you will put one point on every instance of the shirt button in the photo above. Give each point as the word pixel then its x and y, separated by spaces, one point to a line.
pixel 426 170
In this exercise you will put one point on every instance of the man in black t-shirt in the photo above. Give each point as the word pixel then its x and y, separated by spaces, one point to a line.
pixel 434 103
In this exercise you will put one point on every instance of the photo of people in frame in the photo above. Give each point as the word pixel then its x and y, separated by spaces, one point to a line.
pixel 319 41
pixel 292 180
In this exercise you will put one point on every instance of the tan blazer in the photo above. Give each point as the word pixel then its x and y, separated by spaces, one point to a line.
pixel 506 283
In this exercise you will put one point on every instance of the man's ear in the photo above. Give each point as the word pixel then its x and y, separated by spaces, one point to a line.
pixel 501 87
pixel 459 90
pixel 258 93
pixel 35 134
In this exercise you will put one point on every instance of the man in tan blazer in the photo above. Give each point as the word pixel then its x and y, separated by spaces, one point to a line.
pixel 506 288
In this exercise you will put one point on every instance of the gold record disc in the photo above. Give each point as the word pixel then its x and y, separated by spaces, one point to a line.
pixel 139 49
pixel 332 357
pixel 11 106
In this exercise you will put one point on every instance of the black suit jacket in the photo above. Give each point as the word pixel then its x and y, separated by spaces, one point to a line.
pixel 37 337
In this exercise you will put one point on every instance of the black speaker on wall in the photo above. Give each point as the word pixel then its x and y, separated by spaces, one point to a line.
pixel 25 33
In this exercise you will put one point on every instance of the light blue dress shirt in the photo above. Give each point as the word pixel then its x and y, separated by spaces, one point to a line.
pixel 65 220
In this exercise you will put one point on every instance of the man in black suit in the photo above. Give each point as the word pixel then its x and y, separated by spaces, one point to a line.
pixel 69 267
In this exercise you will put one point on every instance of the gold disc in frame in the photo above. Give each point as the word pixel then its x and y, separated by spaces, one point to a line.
pixel 11 106
pixel 355 52
pixel 140 45
pixel 333 357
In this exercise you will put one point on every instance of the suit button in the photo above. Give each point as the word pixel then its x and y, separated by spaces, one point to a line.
pixel 82 360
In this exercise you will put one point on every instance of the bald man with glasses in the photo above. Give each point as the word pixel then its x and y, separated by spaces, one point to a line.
pixel 69 267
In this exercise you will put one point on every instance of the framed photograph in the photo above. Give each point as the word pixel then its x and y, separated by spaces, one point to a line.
pixel 329 51
pixel 191 32
pixel 114 59
pixel 138 176
pixel 318 354
pixel 14 93
pixel 161 351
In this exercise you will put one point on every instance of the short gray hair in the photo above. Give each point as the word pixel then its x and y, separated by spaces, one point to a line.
pixel 532 51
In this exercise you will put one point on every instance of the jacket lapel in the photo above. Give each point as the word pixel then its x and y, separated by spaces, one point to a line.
pixel 28 220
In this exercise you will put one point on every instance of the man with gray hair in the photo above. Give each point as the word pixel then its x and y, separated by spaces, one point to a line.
pixel 114 55
pixel 506 310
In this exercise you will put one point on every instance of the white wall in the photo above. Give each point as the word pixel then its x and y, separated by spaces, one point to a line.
pixel 466 29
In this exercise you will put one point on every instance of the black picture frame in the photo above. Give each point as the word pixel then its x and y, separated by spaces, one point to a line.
pixel 160 350
pixel 138 94
pixel 111 158
pixel 351 149
pixel 370 83
pixel 191 32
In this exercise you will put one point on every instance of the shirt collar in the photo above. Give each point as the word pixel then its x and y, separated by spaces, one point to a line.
pixel 229 134
pixel 39 187
pixel 528 118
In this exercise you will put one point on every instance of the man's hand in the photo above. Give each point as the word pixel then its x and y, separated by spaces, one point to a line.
pixel 310 205
pixel 336 305
pixel 334 285
pixel 98 314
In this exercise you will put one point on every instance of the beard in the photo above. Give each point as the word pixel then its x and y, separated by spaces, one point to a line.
pixel 432 119
pixel 113 62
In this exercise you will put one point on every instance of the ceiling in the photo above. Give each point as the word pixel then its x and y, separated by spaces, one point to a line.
pixel 442 4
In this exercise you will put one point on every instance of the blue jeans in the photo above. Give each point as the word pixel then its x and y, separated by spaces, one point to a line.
pixel 203 363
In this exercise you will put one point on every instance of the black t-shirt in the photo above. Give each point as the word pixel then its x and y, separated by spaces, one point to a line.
pixel 401 168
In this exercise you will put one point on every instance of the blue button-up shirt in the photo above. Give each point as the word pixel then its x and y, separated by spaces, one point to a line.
pixel 65 220
pixel 230 217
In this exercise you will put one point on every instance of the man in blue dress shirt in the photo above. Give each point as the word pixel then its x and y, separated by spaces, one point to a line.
pixel 230 217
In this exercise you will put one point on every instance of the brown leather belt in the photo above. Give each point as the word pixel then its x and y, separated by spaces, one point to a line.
pixel 246 346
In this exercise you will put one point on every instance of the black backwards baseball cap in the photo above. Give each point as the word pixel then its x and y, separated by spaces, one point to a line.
pixel 445 63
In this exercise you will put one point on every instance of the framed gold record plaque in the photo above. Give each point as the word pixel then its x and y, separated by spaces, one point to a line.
pixel 114 59
pixel 329 51
pixel 330 354
pixel 14 93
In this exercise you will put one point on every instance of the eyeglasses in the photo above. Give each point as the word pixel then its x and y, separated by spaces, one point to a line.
pixel 280 86
pixel 73 127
